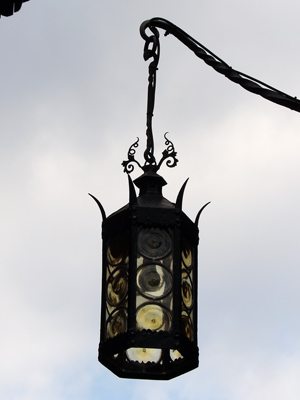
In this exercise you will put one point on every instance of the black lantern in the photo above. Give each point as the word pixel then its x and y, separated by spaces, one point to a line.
pixel 149 284
pixel 149 279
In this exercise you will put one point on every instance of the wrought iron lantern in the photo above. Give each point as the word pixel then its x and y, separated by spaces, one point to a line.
pixel 149 286
pixel 149 278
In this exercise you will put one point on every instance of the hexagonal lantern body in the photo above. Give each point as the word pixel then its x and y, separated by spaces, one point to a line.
pixel 149 287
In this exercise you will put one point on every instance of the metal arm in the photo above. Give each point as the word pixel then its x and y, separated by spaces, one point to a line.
pixel 152 50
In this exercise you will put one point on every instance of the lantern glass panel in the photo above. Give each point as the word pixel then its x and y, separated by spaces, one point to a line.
pixel 186 254
pixel 144 355
pixel 117 284
pixel 117 323
pixel 154 317
pixel 175 355
pixel 154 243
pixel 187 293
pixel 187 326
pixel 154 280
pixel 117 249
pixel 186 289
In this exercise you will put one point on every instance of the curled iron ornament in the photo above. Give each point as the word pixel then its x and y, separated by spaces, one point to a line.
pixel 168 154
pixel 128 164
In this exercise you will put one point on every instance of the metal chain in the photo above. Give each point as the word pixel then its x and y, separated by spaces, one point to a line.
pixel 151 50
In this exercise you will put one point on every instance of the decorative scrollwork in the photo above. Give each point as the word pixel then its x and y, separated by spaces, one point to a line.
pixel 128 164
pixel 170 153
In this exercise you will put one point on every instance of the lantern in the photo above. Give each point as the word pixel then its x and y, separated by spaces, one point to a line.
pixel 149 284
pixel 149 278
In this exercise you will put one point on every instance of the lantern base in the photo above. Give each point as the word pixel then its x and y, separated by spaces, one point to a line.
pixel 149 355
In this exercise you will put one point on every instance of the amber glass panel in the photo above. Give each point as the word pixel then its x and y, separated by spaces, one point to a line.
pixel 117 248
pixel 175 355
pixel 117 286
pixel 186 255
pixel 186 326
pixel 143 355
pixel 154 281
pixel 154 317
pixel 186 290
pixel 117 323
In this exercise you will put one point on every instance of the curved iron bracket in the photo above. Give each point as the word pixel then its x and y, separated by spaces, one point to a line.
pixel 247 82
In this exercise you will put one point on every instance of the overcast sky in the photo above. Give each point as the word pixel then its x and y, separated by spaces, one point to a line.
pixel 73 99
